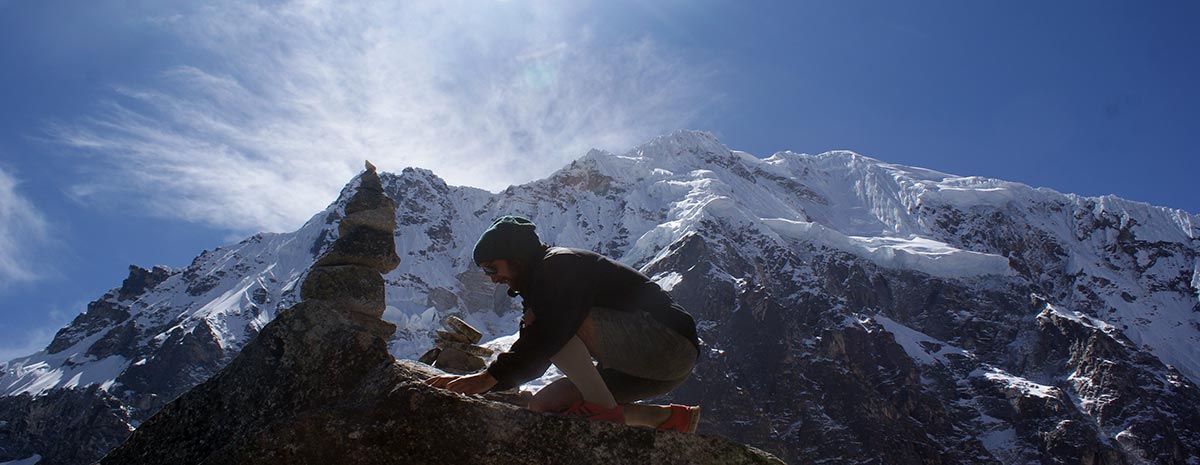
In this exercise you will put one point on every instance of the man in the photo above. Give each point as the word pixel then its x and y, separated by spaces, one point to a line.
pixel 580 305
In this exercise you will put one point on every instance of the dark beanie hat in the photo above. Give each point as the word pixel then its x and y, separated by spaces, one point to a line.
pixel 509 237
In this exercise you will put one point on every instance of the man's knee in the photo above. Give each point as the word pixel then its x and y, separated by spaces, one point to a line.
pixel 549 404
pixel 555 397
pixel 541 404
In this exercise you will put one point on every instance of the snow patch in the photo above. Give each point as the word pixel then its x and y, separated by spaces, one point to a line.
pixel 1077 317
pixel 71 368
pixel 911 252
pixel 918 345
pixel 668 281
pixel 1000 441
pixel 1196 280
pixel 746 157
pixel 1014 385
pixel 970 191
pixel 33 460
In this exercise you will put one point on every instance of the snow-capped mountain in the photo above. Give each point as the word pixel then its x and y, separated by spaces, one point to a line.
pixel 852 310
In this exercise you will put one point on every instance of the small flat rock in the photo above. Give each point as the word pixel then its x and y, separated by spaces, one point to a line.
pixel 383 219
pixel 459 326
pixel 453 336
pixel 468 348
pixel 458 362
pixel 430 356
pixel 369 197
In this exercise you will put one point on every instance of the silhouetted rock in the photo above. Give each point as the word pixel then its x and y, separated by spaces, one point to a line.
pixel 467 348
pixel 458 362
pixel 365 247
pixel 318 386
pixel 86 419
pixel 381 219
pixel 459 326
pixel 348 287
pixel 452 336
pixel 430 356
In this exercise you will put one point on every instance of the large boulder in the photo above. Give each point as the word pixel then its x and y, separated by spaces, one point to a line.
pixel 318 386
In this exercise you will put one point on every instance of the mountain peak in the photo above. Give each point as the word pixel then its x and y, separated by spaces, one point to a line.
pixel 682 143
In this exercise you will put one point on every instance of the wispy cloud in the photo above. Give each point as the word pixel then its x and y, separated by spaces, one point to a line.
pixel 22 231
pixel 294 95
pixel 33 340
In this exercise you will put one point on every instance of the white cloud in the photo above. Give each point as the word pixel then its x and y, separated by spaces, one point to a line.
pixel 22 231
pixel 296 94
pixel 33 340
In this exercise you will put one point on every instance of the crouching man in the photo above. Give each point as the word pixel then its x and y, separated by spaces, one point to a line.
pixel 581 306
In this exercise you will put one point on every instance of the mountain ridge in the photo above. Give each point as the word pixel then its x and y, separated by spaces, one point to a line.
pixel 801 244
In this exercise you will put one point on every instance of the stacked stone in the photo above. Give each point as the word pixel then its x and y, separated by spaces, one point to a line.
pixel 348 275
pixel 456 350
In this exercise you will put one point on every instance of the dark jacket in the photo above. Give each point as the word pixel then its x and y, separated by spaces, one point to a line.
pixel 561 288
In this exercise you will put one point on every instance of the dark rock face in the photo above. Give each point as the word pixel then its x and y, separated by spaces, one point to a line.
pixel 347 286
pixel 119 341
pixel 843 388
pixel 184 359
pixel 365 247
pixel 837 391
pixel 64 426
pixel 1112 377
pixel 140 280
pixel 318 386
pixel 100 314
pixel 274 375
pixel 441 299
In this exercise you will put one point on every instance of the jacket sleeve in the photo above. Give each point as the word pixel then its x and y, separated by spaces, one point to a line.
pixel 560 309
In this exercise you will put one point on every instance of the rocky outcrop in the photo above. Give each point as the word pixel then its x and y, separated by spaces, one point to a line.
pixel 318 386
pixel 89 420
pixel 1111 377
pixel 110 310
pixel 892 366
pixel 141 279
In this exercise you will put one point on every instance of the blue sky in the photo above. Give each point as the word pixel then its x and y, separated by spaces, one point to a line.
pixel 142 132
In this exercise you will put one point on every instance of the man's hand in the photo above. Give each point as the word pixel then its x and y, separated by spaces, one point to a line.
pixel 470 384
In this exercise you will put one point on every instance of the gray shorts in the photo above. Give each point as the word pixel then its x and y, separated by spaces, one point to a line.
pixel 639 357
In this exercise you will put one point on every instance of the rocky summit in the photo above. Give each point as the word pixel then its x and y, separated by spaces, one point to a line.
pixel 852 311
pixel 318 386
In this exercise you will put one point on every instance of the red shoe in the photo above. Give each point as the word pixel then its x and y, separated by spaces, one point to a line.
pixel 593 412
pixel 683 418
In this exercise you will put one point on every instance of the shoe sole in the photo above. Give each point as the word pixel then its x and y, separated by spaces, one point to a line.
pixel 694 421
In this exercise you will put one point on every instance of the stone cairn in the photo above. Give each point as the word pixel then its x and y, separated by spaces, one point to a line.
pixel 348 274
pixel 456 350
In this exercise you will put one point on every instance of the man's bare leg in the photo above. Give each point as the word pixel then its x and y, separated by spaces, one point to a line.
pixel 583 381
